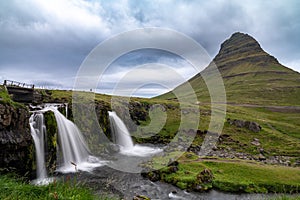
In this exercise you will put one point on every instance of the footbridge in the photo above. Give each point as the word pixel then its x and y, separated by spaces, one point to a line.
pixel 21 92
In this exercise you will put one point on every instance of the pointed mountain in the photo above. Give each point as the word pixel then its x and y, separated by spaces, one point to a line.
pixel 242 48
pixel 250 75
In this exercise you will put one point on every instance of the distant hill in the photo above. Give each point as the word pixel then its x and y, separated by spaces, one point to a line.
pixel 250 75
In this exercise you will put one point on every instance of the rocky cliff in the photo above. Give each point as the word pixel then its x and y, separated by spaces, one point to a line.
pixel 16 149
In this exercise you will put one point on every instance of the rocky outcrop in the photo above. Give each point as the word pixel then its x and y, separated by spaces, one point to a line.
pixel 201 182
pixel 132 113
pixel 252 126
pixel 51 142
pixel 16 149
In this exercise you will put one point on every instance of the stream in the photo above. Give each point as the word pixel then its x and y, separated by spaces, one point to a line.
pixel 104 180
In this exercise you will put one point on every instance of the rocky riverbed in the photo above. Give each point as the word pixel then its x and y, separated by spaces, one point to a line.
pixel 117 184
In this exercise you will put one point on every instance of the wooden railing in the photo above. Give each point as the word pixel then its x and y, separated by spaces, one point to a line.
pixel 17 84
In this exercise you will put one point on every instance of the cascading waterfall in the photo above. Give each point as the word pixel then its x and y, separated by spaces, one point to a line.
pixel 121 136
pixel 66 107
pixel 38 133
pixel 75 154
pixel 72 143
pixel 120 132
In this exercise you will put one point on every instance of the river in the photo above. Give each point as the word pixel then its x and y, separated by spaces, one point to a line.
pixel 104 180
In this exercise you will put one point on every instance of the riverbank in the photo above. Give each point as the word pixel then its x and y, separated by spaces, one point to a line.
pixel 68 188
pixel 105 183
pixel 193 173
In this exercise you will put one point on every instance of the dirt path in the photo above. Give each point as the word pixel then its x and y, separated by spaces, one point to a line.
pixel 284 109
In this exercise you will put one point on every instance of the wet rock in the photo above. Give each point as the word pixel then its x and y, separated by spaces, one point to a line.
pixel 153 176
pixel 214 148
pixel 173 162
pixel 205 176
pixel 113 148
pixel 173 169
pixel 180 139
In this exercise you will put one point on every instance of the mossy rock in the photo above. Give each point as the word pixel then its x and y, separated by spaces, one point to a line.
pixel 51 145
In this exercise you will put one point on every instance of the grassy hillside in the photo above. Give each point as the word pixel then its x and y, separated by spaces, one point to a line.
pixel 250 75
pixel 280 134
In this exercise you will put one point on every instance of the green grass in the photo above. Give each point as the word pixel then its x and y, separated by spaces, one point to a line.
pixel 247 82
pixel 280 134
pixel 284 197
pixel 253 177
pixel 233 175
pixel 6 99
pixel 11 188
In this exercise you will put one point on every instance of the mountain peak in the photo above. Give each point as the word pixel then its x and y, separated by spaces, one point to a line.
pixel 242 47
pixel 240 41
pixel 250 76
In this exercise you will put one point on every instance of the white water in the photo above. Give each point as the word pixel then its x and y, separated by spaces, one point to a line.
pixel 120 132
pixel 38 133
pixel 73 151
pixel 66 107
pixel 122 137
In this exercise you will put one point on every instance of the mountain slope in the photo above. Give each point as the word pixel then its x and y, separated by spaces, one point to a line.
pixel 250 75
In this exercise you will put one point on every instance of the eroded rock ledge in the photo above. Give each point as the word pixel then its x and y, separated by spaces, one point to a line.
pixel 16 145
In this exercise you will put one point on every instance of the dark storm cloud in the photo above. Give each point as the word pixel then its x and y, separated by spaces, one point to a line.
pixel 43 40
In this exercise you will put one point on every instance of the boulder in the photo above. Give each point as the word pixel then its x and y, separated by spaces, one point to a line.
pixel 252 126
pixel 261 157
pixel 113 148
pixel 205 176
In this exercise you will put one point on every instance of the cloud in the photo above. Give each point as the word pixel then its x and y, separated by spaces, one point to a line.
pixel 138 69
pixel 50 39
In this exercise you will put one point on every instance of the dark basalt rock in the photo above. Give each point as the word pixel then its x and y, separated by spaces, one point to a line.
pixel 16 145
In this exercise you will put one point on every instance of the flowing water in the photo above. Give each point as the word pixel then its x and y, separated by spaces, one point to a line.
pixel 38 133
pixel 119 182
pixel 127 185
pixel 73 152
pixel 130 156
pixel 121 135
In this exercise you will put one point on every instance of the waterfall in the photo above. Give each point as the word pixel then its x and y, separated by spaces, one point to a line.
pixel 66 107
pixel 121 136
pixel 120 133
pixel 38 133
pixel 73 151
pixel 72 144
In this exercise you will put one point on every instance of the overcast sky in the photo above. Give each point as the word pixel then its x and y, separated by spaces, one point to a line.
pixel 45 42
